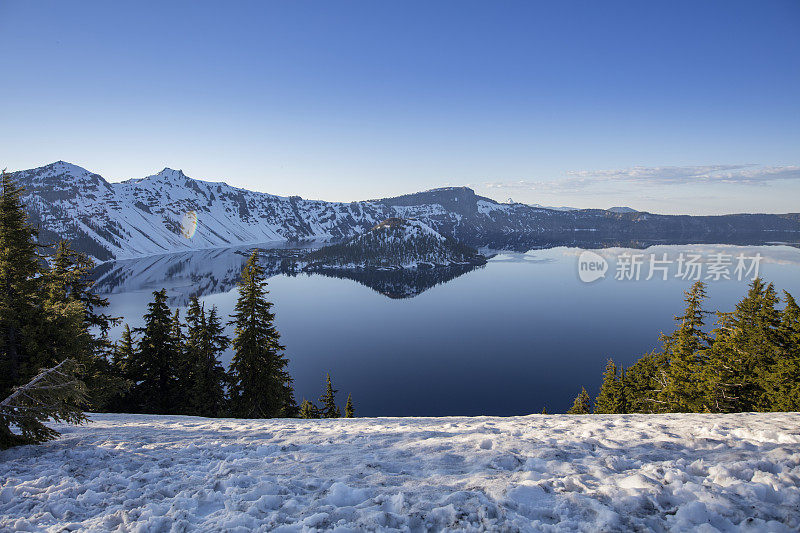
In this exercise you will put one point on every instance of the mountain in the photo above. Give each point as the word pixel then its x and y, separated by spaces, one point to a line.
pixel 622 210
pixel 559 208
pixel 170 212
pixel 395 243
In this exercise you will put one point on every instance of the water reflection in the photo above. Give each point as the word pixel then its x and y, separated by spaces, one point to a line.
pixel 209 272
pixel 398 284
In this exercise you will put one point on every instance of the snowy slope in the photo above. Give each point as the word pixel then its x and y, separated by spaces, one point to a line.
pixel 553 473
pixel 169 212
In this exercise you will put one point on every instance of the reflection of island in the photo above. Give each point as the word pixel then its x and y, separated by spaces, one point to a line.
pixel 400 283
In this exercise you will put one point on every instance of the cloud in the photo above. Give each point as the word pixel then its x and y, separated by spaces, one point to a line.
pixel 577 180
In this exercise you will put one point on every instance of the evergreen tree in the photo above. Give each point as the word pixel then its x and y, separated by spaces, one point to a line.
pixel 190 346
pixel 349 410
pixel 123 357
pixel 55 393
pixel 611 398
pixel 582 404
pixel 544 411
pixel 176 330
pixel 124 351
pixel 644 380
pixel 783 380
pixel 751 363
pixel 73 315
pixel 41 326
pixel 745 348
pixel 260 383
pixel 20 283
pixel 154 369
pixel 206 378
pixel 328 400
pixel 684 351
pixel 308 410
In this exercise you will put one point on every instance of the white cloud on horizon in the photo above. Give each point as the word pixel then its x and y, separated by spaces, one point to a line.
pixel 578 180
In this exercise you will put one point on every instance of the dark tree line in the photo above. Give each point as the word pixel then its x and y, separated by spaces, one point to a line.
pixel 56 360
pixel 749 361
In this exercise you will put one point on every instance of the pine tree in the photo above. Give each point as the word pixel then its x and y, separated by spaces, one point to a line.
pixel 124 351
pixel 41 326
pixel 745 348
pixel 20 289
pixel 582 404
pixel 684 350
pixel 308 410
pixel 261 385
pixel 783 381
pixel 55 393
pixel 154 369
pixel 328 400
pixel 191 346
pixel 349 410
pixel 73 314
pixel 611 398
pixel 124 355
pixel 205 377
pixel 644 380
pixel 176 330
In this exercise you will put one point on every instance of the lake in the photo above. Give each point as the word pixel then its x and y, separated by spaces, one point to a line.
pixel 521 333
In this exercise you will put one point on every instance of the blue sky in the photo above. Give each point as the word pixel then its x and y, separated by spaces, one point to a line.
pixel 670 107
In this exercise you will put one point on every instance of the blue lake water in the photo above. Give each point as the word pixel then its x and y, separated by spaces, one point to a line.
pixel 521 333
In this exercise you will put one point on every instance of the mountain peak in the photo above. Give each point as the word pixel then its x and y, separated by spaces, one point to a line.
pixel 168 174
pixel 66 167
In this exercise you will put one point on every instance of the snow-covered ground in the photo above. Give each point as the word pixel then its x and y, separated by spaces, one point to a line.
pixel 596 473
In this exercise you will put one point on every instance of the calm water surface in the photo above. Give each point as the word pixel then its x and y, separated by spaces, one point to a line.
pixel 519 334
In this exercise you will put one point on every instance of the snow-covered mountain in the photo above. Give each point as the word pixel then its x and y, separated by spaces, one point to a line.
pixel 395 243
pixel 170 212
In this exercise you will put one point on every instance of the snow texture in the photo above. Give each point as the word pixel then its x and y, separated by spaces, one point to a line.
pixel 536 473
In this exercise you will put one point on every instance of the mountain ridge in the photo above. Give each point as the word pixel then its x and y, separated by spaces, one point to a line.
pixel 170 212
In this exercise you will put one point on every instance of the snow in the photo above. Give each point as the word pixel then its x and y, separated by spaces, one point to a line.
pixel 486 208
pixel 554 473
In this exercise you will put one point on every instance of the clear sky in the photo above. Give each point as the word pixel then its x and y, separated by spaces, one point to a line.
pixel 665 106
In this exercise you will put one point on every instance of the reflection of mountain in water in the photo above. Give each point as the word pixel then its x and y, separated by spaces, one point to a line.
pixel 207 272
pixel 400 283
pixel 183 274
